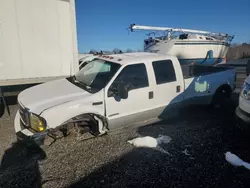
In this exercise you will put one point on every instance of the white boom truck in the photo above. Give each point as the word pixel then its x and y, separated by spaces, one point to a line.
pixel 38 43
pixel 112 92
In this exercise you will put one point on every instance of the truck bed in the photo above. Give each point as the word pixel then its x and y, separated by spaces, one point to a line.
pixel 202 81
pixel 190 71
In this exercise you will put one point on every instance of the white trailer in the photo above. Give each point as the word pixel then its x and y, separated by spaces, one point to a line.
pixel 38 43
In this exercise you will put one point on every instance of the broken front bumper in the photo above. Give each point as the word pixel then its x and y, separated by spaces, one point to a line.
pixel 24 134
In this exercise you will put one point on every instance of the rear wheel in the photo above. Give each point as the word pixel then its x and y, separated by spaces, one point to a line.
pixel 221 96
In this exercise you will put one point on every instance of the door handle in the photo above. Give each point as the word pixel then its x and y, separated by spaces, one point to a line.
pixel 151 95
pixel 178 89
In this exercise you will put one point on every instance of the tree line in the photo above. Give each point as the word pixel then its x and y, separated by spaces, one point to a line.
pixel 239 51
pixel 114 51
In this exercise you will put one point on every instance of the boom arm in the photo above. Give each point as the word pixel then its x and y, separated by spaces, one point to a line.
pixel 152 28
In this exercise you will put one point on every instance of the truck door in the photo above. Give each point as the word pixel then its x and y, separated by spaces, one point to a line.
pixel 168 88
pixel 124 112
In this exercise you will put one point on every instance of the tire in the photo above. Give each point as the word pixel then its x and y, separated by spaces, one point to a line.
pixel 2 108
pixel 221 96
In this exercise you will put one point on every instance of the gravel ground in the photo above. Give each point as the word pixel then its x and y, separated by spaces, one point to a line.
pixel 109 161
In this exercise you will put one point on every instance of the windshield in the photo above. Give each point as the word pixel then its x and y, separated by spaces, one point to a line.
pixel 96 74
pixel 85 59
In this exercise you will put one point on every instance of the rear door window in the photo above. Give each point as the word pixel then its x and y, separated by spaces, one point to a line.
pixel 164 71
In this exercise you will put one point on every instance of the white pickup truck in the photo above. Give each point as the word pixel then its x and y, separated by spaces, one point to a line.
pixel 111 92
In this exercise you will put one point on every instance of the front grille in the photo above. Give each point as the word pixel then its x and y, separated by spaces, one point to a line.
pixel 24 114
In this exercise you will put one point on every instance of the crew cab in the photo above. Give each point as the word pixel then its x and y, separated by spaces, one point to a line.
pixel 116 91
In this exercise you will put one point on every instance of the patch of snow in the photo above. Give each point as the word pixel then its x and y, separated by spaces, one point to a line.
pixel 235 160
pixel 163 151
pixel 185 151
pixel 163 139
pixel 149 141
pixel 146 141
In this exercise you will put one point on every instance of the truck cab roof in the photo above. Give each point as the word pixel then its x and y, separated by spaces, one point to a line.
pixel 136 57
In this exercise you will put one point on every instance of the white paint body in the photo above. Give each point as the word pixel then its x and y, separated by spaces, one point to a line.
pixel 38 40
pixel 190 49
pixel 58 101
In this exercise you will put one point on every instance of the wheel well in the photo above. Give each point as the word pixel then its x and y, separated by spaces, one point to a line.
pixel 222 92
pixel 226 88
pixel 95 123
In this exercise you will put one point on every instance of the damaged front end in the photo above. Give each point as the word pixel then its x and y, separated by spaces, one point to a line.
pixel 30 126
pixel 83 127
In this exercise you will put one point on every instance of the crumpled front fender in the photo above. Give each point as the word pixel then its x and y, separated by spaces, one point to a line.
pixel 58 115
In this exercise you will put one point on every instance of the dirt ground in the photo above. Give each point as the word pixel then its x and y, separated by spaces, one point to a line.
pixel 109 161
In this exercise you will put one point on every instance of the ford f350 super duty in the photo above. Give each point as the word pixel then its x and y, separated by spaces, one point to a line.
pixel 116 91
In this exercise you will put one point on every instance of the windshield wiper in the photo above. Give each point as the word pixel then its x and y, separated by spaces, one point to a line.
pixel 81 84
pixel 85 86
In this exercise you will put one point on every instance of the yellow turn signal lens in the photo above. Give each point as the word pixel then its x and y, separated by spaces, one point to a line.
pixel 36 123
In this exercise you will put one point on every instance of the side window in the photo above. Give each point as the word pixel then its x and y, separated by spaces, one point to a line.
pixel 135 76
pixel 164 71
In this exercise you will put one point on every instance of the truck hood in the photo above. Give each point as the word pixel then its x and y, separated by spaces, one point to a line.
pixel 47 95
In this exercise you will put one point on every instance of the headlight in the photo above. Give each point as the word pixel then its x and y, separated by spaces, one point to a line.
pixel 37 123
pixel 245 92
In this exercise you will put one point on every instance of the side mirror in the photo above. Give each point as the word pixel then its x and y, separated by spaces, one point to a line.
pixel 122 91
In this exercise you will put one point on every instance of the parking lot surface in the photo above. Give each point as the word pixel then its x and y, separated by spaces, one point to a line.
pixel 200 138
